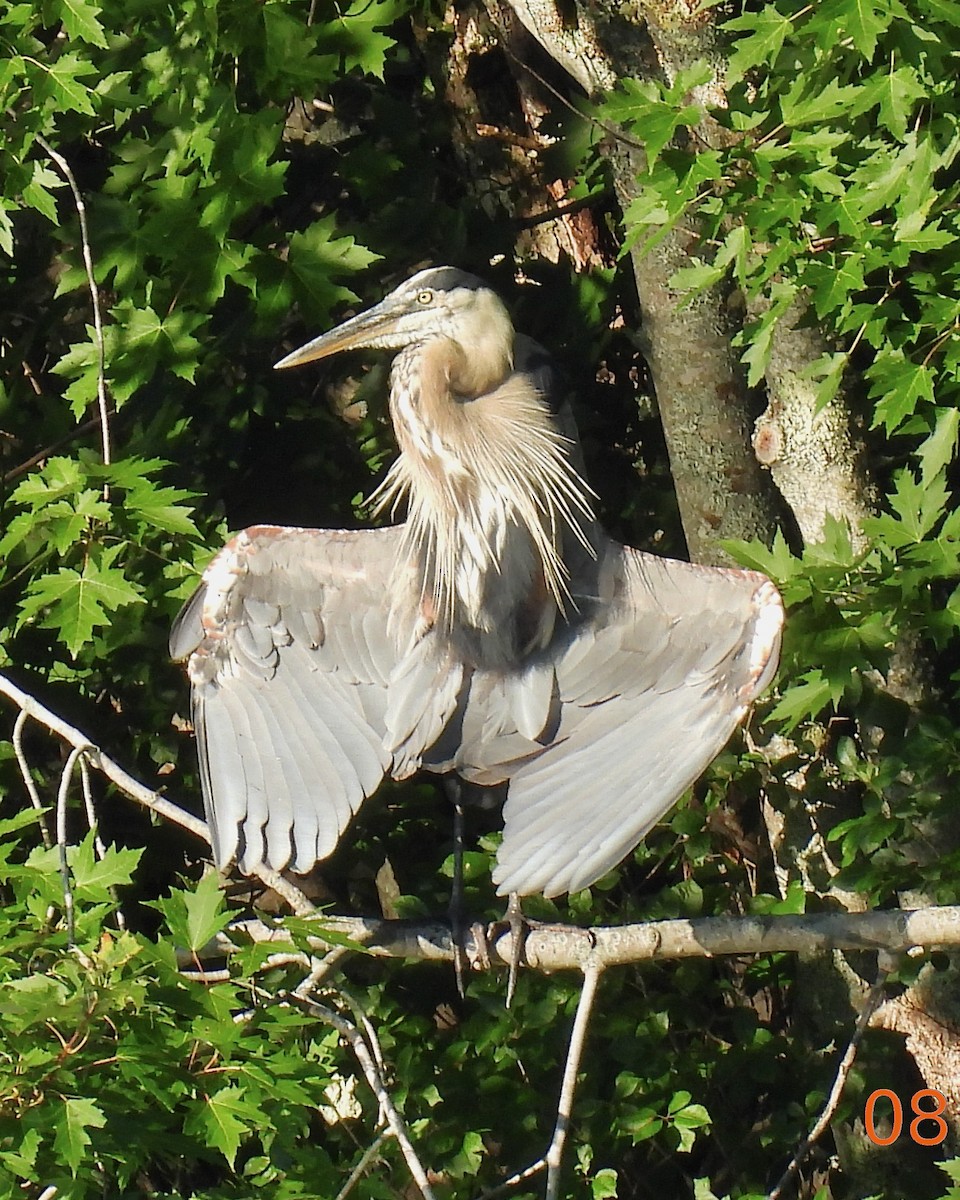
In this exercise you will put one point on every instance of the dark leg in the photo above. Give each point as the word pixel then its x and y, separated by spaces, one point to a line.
pixel 451 785
pixel 519 925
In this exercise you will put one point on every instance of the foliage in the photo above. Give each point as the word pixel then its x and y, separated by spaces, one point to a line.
pixel 247 169
pixel 835 182
pixel 136 1080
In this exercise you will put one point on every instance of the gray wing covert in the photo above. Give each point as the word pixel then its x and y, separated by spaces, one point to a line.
pixel 291 652
pixel 651 688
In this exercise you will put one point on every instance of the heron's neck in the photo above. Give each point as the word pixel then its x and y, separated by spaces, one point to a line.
pixel 495 506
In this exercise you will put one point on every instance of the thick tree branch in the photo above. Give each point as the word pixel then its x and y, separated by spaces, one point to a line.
pixel 566 947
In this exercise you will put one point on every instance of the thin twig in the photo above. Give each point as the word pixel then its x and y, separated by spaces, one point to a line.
pixel 568 1088
pixel 558 211
pixel 553 1159
pixel 604 126
pixel 871 1004
pixel 374 1079
pixel 28 778
pixel 508 1185
pixel 35 459
pixel 65 776
pixel 366 1159
pixel 373 1040
pixel 307 987
pixel 114 772
pixel 99 848
pixel 94 299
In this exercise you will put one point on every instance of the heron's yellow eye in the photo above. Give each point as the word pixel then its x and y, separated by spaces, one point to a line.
pixel 425 297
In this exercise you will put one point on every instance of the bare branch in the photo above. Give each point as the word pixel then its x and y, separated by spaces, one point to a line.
pixel 98 846
pixel 35 459
pixel 114 772
pixel 64 167
pixel 567 947
pixel 553 1159
pixel 578 1037
pixel 362 1053
pixel 65 776
pixel 366 1159
pixel 870 1006
pixel 28 778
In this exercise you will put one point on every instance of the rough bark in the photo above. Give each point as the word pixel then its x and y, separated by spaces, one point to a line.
pixel 700 389
pixel 815 458
pixel 702 397
pixel 570 948
pixel 496 113
pixel 928 1017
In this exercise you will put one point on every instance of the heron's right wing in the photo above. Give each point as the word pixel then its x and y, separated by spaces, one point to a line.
pixel 650 687
pixel 290 655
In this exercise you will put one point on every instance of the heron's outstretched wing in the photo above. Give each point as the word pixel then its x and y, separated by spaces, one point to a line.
pixel 291 652
pixel 650 689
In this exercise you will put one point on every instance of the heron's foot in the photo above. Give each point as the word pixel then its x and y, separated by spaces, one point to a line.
pixel 461 963
pixel 519 926
pixel 471 949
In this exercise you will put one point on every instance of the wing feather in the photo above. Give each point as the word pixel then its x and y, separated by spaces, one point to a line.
pixel 652 684
pixel 307 688
pixel 291 652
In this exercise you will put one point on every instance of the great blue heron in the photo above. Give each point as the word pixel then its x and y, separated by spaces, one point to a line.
pixel 498 634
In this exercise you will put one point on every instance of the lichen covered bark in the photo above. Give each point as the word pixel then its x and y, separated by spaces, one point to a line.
pixel 814 458
pixel 701 393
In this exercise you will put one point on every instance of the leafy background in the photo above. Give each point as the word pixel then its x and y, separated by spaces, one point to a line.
pixel 249 171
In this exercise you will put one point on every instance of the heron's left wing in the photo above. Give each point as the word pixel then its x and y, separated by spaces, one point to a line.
pixel 650 686
pixel 290 656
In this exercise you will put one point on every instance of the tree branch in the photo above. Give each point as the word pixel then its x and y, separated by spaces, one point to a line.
pixel 65 170
pixel 567 947
pixel 133 787
pixel 836 1091
pixel 114 772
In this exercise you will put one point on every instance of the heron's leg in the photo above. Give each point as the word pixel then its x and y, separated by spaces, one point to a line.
pixel 519 927
pixel 453 789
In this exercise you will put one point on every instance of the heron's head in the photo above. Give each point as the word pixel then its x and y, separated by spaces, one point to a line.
pixel 440 302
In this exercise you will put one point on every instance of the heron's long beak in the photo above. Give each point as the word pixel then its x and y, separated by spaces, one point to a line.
pixel 366 329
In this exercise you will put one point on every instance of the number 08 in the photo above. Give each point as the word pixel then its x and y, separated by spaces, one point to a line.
pixel 922 1114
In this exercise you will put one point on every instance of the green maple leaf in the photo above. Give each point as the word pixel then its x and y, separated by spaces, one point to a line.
pixel 223 1119
pixel 318 257
pixel 766 32
pixel 865 23
pixel 895 93
pixel 356 35
pixel 939 448
pixel 71 1140
pixel 195 917
pixel 93 877
pixel 74 603
pixel 62 82
pixel 900 385
pixel 803 701
pixel 80 21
